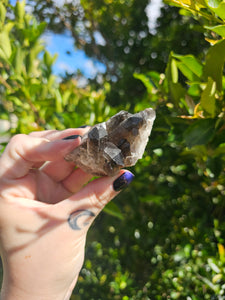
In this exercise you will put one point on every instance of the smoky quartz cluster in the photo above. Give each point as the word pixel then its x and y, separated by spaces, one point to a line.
pixel 117 143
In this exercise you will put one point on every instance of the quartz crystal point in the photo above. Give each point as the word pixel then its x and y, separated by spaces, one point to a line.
pixel 117 143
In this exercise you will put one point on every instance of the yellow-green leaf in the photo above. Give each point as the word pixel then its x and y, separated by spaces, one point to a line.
pixel 213 3
pixel 58 99
pixel 217 29
pixel 189 66
pixel 218 8
pixel 20 10
pixel 221 250
pixel 214 63
pixel 8 27
pixel 174 71
pixel 5 46
pixel 216 278
pixel 112 209
pixel 208 97
pixel 18 63
pixel 2 13
pixel 201 3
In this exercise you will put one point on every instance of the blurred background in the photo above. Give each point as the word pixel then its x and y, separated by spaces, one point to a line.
pixel 70 63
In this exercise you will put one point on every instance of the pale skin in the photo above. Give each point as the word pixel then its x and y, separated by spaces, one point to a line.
pixel 46 209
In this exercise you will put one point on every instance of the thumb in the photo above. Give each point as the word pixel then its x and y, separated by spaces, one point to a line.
pixel 84 206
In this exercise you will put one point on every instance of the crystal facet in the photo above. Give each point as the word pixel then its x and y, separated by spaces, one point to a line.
pixel 117 143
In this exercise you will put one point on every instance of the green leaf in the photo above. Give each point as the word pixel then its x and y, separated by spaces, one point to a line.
pixel 18 62
pixel 174 71
pixel 220 11
pixel 208 97
pixel 16 101
pixel 201 3
pixel 220 150
pixel 49 59
pixel 177 92
pixel 150 80
pixel 213 266
pixel 209 284
pixel 59 101
pixel 145 80
pixel 152 198
pixel 5 46
pixel 200 132
pixel 112 209
pixel 171 70
pixel 20 10
pixel 218 8
pixel 214 63
pixel 175 88
pixel 213 3
pixel 2 13
pixel 189 66
pixel 8 27
pixel 217 29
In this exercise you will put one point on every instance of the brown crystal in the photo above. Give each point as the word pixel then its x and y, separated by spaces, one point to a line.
pixel 117 143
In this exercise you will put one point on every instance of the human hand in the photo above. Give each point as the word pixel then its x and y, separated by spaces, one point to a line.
pixel 46 208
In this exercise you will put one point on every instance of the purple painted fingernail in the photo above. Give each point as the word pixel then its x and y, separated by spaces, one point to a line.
pixel 123 181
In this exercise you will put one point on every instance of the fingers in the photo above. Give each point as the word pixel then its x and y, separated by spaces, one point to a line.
pixel 53 135
pixel 70 185
pixel 59 170
pixel 24 152
pixel 76 180
pixel 85 205
pixel 28 151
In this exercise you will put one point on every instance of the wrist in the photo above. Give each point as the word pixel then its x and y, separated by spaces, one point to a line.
pixel 9 292
pixel 19 286
pixel 13 294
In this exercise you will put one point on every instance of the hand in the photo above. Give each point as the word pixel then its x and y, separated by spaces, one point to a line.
pixel 46 208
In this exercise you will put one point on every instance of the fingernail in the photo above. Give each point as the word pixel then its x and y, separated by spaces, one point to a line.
pixel 123 181
pixel 71 137
pixel 84 126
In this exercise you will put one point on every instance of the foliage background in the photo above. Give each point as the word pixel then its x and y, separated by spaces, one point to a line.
pixel 162 238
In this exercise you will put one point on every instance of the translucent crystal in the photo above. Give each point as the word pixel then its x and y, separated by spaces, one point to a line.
pixel 117 143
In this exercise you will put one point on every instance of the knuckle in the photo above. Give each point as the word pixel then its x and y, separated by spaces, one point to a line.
pixel 15 144
pixel 94 200
pixel 16 139
pixel 99 200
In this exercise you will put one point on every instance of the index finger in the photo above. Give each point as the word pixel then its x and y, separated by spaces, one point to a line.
pixel 23 152
pixel 57 134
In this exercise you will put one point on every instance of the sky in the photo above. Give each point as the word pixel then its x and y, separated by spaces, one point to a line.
pixel 62 44
pixel 153 12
